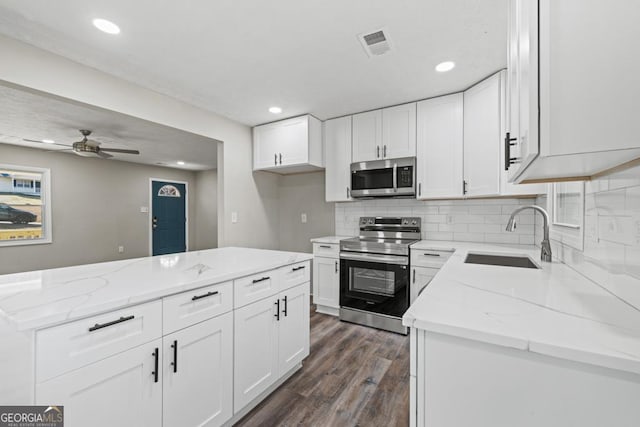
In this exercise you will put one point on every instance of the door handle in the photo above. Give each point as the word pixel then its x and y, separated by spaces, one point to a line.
pixel 395 177
pixel 154 222
pixel 336 266
pixel 384 151
pixel 377 151
pixel 348 193
pixel 285 306
pixel 275 159
pixel 419 189
pixel 277 315
pixel 464 187
pixel 414 275
pixel 175 356
pixel 508 160
pixel 155 365
pixel 280 158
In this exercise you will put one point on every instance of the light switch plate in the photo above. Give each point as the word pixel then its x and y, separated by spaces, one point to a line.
pixel 144 209
pixel 234 217
pixel 303 218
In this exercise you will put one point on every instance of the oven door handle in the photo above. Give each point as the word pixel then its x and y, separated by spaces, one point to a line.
pixel 384 259
pixel 395 177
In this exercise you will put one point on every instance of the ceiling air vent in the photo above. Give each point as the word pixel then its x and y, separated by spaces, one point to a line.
pixel 375 43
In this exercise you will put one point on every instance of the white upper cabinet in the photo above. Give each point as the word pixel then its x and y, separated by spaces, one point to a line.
pixel 587 105
pixel 482 138
pixel 439 148
pixel 288 146
pixel 399 131
pixel 337 145
pixel 367 136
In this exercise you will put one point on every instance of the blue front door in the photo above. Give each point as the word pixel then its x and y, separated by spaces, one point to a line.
pixel 168 223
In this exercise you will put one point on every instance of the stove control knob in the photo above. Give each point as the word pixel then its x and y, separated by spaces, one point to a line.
pixel 370 220
pixel 414 222
pixel 405 221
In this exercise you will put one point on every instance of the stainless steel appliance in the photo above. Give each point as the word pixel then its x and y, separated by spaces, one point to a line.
pixel 374 272
pixel 384 178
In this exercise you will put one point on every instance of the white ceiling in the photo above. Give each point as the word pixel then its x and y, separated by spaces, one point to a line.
pixel 239 57
pixel 35 116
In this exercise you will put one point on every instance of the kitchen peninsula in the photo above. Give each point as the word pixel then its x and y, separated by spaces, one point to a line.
pixel 219 329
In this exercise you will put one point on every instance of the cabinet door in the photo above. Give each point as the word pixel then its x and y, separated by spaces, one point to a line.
pixel 294 327
pixel 198 393
pixel 420 278
pixel 399 131
pixel 326 282
pixel 482 138
pixel 440 141
pixel 337 145
pixel 255 350
pixel 120 390
pixel 281 143
pixel 367 136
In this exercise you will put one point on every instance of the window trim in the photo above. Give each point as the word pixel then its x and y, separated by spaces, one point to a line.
pixel 45 195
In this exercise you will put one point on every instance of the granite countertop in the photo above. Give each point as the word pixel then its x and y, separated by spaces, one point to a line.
pixel 43 298
pixel 329 239
pixel 553 310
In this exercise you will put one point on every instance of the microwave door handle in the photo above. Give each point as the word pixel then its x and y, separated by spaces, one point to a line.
pixel 395 177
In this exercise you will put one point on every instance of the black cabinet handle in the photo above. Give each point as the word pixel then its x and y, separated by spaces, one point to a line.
pixel 275 159
pixel 114 322
pixel 464 187
pixel 336 266
pixel 419 189
pixel 277 315
pixel 155 365
pixel 384 152
pixel 208 294
pixel 414 275
pixel 348 193
pixel 261 279
pixel 428 254
pixel 285 306
pixel 280 158
pixel 175 356
pixel 325 246
pixel 298 268
pixel 508 160
pixel 377 151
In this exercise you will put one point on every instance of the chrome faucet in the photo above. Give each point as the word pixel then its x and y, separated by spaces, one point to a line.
pixel 545 252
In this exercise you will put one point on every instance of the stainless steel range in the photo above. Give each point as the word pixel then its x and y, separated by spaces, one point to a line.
pixel 374 272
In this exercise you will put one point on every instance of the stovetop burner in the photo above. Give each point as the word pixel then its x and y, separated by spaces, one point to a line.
pixel 384 235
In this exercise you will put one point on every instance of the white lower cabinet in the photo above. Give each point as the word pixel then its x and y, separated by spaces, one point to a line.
pixel 420 278
pixel 198 374
pixel 271 338
pixel 121 390
pixel 326 284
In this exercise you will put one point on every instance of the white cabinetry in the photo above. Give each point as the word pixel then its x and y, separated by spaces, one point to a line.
pixel 399 131
pixel 425 264
pixel 439 151
pixel 121 390
pixel 271 339
pixel 288 146
pixel 337 145
pixel 367 136
pixel 326 284
pixel 198 374
pixel 587 107
pixel 482 138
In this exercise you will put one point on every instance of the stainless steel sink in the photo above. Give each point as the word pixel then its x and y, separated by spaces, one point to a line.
pixel 502 260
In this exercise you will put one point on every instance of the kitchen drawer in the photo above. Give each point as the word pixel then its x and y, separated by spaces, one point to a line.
pixel 63 348
pixel 330 250
pixel 429 257
pixel 253 288
pixel 295 274
pixel 188 308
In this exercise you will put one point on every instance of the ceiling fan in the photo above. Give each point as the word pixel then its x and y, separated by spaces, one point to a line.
pixel 90 148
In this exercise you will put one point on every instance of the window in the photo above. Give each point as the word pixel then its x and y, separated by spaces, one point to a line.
pixel 169 191
pixel 25 209
pixel 567 213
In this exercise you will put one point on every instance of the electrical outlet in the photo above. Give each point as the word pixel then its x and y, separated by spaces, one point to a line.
pixel 120 249
pixel 449 219
pixel 234 217
pixel 303 218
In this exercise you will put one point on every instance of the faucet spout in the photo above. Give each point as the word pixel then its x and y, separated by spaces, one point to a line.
pixel 545 252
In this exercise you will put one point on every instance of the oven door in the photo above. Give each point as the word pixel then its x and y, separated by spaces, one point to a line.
pixel 374 283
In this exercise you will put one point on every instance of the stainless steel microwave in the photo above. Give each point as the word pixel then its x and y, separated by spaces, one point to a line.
pixel 384 178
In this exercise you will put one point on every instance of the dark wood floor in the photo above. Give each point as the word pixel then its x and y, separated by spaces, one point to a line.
pixel 354 376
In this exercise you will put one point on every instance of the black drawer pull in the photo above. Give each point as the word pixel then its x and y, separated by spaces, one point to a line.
pixel 298 268
pixel 114 322
pixel 261 280
pixel 426 254
pixel 325 246
pixel 155 366
pixel 208 294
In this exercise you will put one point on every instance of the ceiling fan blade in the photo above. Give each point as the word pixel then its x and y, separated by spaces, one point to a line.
pixel 118 150
pixel 44 143
pixel 104 155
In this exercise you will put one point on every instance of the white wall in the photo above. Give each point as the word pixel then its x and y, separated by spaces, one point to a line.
pixel 252 196
pixel 611 255
pixel 95 208
pixel 473 220
pixel 206 210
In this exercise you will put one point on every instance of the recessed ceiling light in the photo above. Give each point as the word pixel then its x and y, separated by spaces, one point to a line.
pixel 445 66
pixel 106 26
pixel 180 162
pixel 48 141
pixel 275 110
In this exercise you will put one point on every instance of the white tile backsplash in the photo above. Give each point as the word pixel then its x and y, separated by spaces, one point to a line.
pixel 611 255
pixel 471 220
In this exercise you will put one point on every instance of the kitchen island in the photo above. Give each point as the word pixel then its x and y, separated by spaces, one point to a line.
pixel 504 346
pixel 183 339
